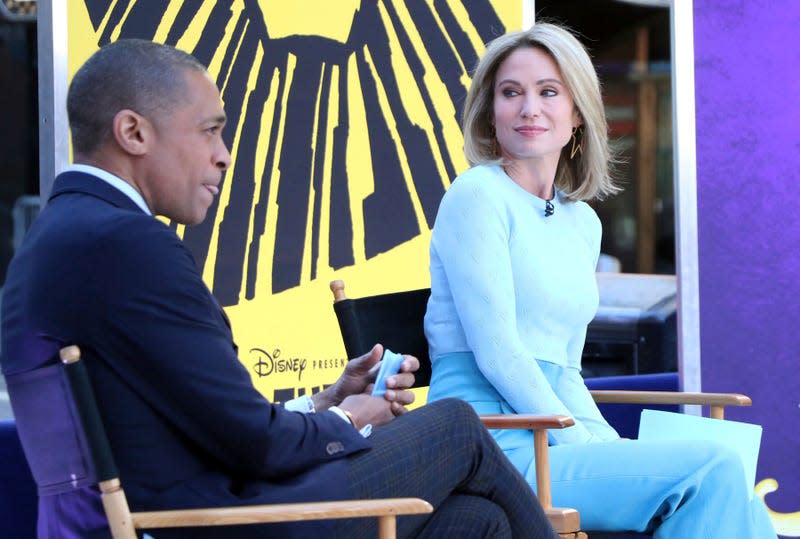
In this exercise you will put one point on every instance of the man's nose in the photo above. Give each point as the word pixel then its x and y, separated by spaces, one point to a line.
pixel 223 160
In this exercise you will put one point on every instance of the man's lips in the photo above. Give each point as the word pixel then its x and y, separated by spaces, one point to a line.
pixel 213 189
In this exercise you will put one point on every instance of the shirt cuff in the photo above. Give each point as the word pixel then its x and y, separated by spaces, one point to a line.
pixel 303 404
pixel 365 431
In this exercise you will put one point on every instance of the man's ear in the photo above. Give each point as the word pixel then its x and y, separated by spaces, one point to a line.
pixel 132 132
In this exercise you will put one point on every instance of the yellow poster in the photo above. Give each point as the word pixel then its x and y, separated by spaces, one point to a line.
pixel 343 124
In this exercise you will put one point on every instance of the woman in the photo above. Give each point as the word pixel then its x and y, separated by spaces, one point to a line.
pixel 513 253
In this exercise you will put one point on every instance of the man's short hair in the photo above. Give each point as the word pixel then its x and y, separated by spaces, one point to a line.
pixel 134 74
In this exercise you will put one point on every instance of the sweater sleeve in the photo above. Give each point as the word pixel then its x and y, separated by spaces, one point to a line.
pixel 471 238
pixel 573 392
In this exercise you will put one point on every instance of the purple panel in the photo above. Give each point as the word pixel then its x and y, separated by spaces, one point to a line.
pixel 747 62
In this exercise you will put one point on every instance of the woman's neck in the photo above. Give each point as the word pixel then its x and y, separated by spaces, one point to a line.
pixel 535 177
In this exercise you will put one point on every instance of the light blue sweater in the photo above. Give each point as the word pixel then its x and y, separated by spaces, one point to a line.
pixel 513 286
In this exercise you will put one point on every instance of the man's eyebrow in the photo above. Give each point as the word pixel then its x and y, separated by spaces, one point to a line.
pixel 213 121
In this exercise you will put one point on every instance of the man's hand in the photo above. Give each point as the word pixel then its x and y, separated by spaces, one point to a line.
pixel 367 409
pixel 358 376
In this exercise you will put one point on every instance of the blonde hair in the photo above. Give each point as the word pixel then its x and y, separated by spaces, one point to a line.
pixel 586 176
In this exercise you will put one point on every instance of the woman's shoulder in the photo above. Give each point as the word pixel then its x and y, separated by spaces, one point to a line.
pixel 586 221
pixel 475 191
pixel 478 182
pixel 584 212
pixel 477 175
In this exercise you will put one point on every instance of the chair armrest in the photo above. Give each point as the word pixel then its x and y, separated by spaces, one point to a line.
pixel 285 512
pixel 526 421
pixel 565 521
pixel 717 401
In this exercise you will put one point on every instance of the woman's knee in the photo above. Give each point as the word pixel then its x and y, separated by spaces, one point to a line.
pixel 716 464
pixel 711 451
pixel 727 462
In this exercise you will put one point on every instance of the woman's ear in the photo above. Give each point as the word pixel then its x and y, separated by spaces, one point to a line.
pixel 577 119
pixel 131 131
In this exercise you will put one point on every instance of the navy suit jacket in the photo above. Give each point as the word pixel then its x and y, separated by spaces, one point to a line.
pixel 186 425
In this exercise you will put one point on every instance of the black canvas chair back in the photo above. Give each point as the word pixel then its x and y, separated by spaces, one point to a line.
pixel 60 429
pixel 59 426
pixel 394 319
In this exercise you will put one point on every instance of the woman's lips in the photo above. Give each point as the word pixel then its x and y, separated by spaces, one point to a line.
pixel 530 130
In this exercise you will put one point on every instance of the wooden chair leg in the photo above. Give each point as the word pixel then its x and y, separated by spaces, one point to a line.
pixel 117 511
pixel 565 521
pixel 387 527
pixel 542 463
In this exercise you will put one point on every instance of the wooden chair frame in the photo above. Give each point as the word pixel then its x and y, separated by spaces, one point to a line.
pixel 566 521
pixel 124 523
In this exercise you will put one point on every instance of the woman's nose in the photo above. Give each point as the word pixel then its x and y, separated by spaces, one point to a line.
pixel 530 107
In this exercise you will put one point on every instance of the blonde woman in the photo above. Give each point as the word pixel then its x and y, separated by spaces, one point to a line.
pixel 513 253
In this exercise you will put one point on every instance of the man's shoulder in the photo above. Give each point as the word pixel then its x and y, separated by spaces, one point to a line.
pixel 99 237
pixel 87 218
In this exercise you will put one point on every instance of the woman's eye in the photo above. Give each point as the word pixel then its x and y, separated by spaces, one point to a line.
pixel 549 92
pixel 510 92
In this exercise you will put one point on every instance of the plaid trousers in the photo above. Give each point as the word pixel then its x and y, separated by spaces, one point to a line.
pixel 442 453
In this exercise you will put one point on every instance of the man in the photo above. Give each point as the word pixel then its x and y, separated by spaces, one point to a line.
pixel 186 425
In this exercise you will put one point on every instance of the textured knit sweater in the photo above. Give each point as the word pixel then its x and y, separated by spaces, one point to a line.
pixel 513 286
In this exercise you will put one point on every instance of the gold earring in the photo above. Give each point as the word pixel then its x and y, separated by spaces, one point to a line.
pixel 577 147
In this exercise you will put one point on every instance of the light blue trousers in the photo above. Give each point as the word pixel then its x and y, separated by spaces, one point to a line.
pixel 675 490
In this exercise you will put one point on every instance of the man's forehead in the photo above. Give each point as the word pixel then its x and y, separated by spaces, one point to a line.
pixel 202 94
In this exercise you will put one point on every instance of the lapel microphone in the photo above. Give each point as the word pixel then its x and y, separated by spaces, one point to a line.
pixel 548 208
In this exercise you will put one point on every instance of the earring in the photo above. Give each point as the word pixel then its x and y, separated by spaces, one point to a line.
pixel 577 147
